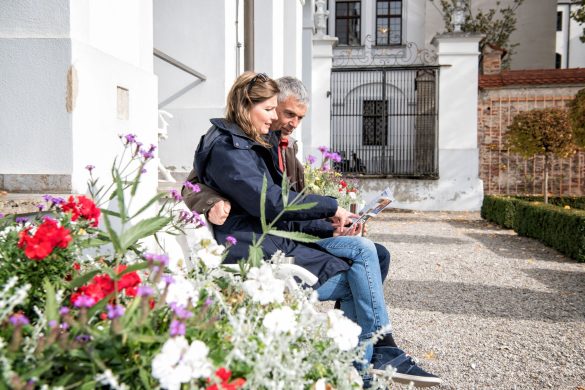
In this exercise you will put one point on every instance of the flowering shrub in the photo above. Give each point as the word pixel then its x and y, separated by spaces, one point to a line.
pixel 324 180
pixel 86 305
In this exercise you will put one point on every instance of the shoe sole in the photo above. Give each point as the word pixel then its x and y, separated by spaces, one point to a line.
pixel 418 381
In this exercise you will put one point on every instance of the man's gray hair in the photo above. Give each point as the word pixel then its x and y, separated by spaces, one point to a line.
pixel 291 86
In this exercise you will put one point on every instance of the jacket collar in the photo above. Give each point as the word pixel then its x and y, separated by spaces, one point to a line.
pixel 240 139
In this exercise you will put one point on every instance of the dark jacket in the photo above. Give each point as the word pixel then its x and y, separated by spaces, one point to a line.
pixel 234 165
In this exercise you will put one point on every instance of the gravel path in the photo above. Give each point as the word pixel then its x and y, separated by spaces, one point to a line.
pixel 482 307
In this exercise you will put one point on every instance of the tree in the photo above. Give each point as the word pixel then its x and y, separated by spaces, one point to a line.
pixel 577 118
pixel 497 24
pixel 579 17
pixel 541 132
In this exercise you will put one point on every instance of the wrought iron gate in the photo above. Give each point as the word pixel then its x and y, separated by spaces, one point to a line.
pixel 384 120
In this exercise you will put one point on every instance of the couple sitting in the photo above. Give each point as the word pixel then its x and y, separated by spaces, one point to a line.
pixel 252 143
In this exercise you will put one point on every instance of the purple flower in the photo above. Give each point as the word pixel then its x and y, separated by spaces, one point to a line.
pixel 130 138
pixel 323 149
pixel 1 215
pixel 311 159
pixel 335 157
pixel 231 240
pixel 146 155
pixel 21 219
pixel 145 291
pixel 161 259
pixel 115 311
pixel 83 338
pixel 18 319
pixel 176 195
pixel 84 301
pixel 168 279
pixel 180 311
pixel 53 200
pixel 64 310
pixel 90 168
pixel 41 207
pixel 177 328
pixel 64 326
pixel 143 170
pixel 192 187
pixel 52 324
pixel 208 302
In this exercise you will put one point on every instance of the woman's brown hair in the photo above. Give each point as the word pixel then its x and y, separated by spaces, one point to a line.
pixel 249 89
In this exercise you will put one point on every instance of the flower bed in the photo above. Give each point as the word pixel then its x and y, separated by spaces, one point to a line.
pixel 85 304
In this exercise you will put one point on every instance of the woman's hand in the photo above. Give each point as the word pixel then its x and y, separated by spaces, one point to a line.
pixel 219 212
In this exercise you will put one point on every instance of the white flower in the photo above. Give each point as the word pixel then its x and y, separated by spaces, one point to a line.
pixel 209 253
pixel 108 378
pixel 352 195
pixel 178 362
pixel 263 287
pixel 342 330
pixel 180 291
pixel 281 320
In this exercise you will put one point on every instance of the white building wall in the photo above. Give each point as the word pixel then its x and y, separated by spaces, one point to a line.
pixel 269 37
pixel 59 82
pixel 201 35
pixel 568 42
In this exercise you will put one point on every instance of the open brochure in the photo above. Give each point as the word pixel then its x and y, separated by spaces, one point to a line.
pixel 373 207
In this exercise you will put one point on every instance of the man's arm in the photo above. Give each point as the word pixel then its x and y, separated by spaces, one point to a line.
pixel 208 202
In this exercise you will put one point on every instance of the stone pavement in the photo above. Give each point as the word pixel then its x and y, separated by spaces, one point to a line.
pixel 482 307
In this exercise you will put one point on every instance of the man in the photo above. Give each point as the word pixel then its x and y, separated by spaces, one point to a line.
pixel 293 103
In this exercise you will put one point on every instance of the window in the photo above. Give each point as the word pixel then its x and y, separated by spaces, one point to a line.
pixel 560 21
pixel 558 61
pixel 374 131
pixel 348 22
pixel 388 22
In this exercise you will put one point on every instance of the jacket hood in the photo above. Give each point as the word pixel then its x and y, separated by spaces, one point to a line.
pixel 222 129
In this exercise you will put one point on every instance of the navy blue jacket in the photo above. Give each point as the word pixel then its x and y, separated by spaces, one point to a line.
pixel 230 162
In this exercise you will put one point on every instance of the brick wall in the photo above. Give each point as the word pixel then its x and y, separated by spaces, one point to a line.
pixel 505 173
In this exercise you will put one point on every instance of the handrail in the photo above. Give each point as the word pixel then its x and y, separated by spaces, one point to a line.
pixel 180 65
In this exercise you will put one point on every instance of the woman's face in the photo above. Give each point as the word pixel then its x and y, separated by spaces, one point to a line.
pixel 263 114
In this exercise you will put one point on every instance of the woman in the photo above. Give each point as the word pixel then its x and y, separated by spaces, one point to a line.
pixel 233 158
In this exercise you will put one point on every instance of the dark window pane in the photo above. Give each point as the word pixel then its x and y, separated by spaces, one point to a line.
pixel 374 128
pixel 341 9
pixel 560 21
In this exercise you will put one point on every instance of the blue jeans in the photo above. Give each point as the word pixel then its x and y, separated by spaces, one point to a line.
pixel 360 288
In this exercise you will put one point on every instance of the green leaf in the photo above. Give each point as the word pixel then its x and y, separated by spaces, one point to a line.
pixel 154 199
pixel 255 256
pixel 81 280
pixel 301 206
pixel 110 213
pixel 120 196
pixel 39 370
pixel 88 386
pixel 263 203
pixel 129 314
pixel 50 301
pixel 142 229
pixel 144 338
pixel 93 242
pixel 144 378
pixel 113 236
pixel 295 236
pixel 133 267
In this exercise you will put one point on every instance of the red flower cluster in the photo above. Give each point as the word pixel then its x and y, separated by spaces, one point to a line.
pixel 102 285
pixel 48 236
pixel 342 185
pixel 224 375
pixel 84 207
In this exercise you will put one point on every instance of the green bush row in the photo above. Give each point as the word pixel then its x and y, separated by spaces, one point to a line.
pixel 562 229
pixel 574 202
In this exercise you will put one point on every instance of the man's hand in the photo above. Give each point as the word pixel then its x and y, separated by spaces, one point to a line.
pixel 342 217
pixel 219 212
pixel 356 230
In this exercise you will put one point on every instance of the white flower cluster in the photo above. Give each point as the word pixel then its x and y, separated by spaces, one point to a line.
pixel 179 362
pixel 209 253
pixel 10 297
pixel 109 379
pixel 281 320
pixel 263 287
pixel 181 291
pixel 342 330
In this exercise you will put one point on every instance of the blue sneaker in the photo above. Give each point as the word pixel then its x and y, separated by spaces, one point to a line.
pixel 406 369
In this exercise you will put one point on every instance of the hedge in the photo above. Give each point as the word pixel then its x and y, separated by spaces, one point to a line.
pixel 574 202
pixel 562 229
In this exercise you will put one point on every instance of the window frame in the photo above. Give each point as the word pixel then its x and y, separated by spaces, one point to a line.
pixel 374 140
pixel 389 16
pixel 348 18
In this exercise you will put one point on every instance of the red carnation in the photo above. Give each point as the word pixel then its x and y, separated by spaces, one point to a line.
pixel 84 207
pixel 224 375
pixel 48 236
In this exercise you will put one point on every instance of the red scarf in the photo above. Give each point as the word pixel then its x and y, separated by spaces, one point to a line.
pixel 282 145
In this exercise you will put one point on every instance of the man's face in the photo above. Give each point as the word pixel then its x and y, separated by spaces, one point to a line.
pixel 290 114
